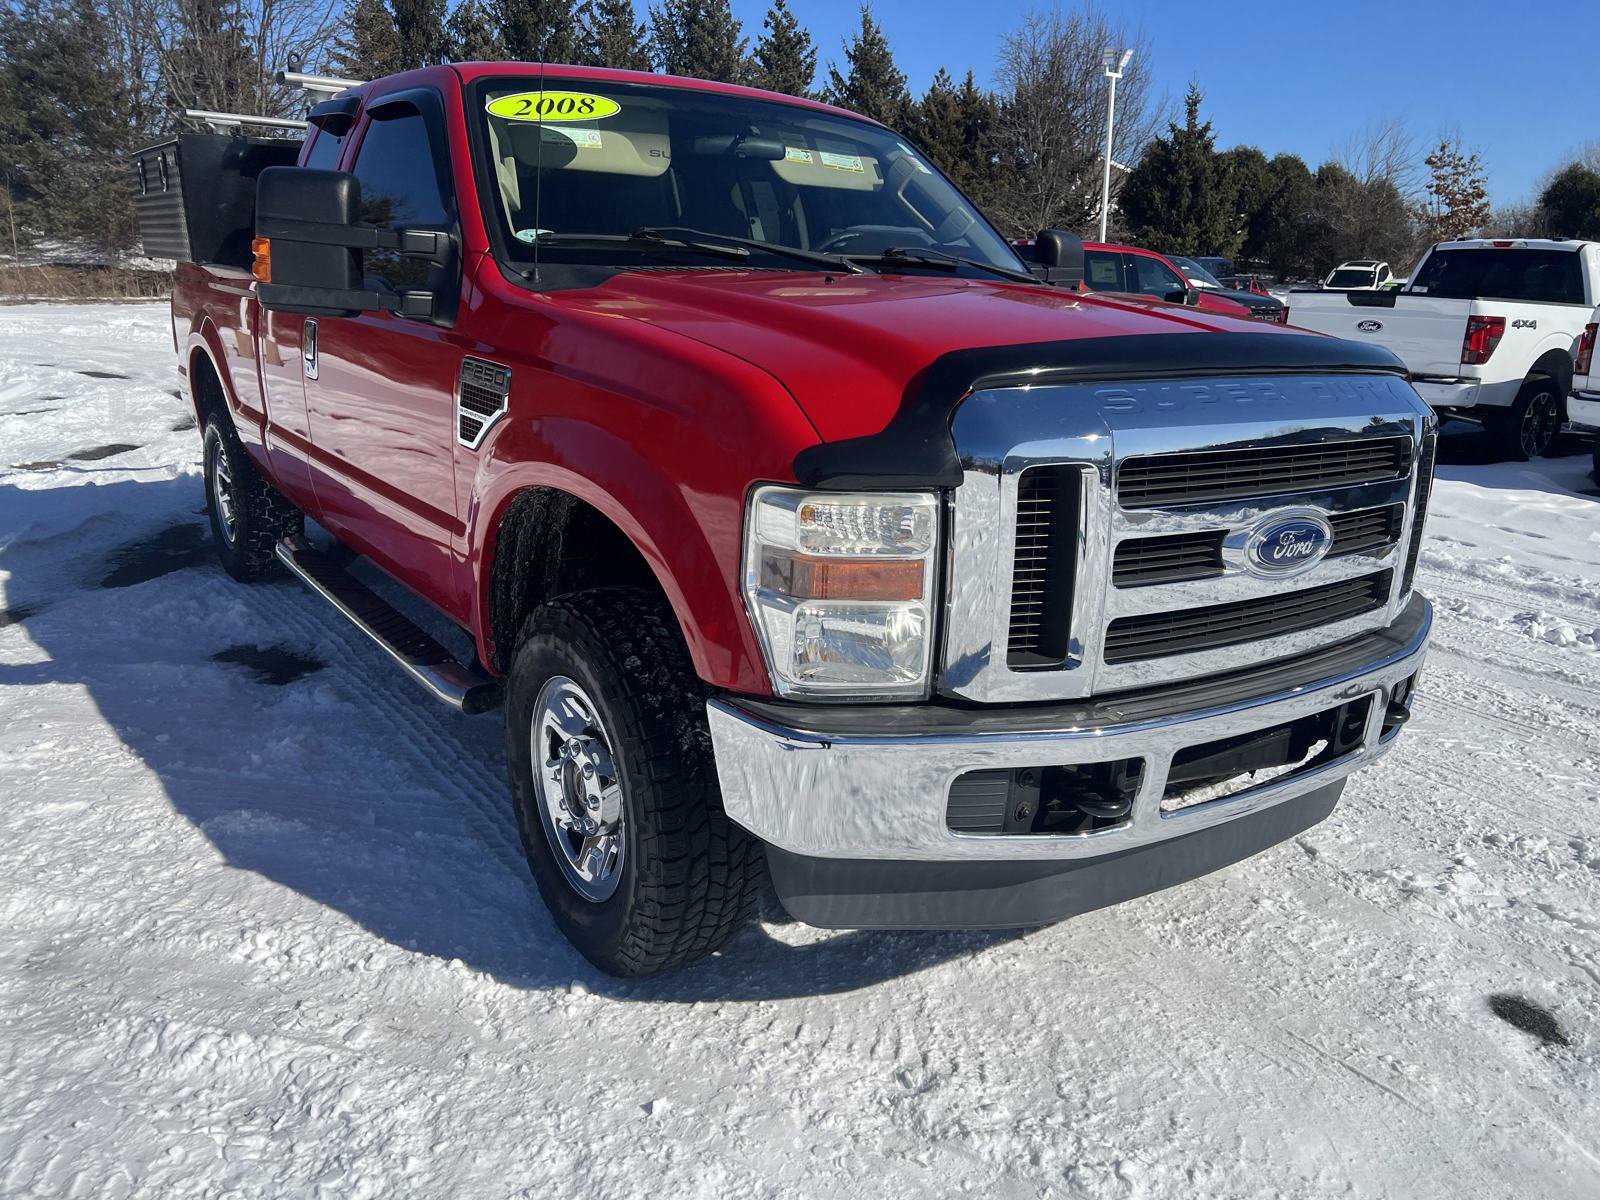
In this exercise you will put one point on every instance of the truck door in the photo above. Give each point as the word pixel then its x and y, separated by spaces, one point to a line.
pixel 381 405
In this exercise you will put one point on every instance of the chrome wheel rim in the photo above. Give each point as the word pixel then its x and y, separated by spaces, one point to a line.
pixel 222 493
pixel 581 797
pixel 1539 425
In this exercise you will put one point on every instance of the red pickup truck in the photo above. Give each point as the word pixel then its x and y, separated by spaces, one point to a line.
pixel 801 530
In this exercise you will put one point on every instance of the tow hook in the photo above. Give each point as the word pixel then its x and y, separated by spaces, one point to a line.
pixel 1396 714
pixel 1103 806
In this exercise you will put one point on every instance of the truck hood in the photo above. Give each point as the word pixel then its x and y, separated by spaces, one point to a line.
pixel 851 350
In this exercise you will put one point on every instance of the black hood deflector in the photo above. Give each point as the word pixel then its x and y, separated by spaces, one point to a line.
pixel 916 448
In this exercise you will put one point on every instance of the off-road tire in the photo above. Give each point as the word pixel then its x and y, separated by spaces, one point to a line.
pixel 1530 426
pixel 690 876
pixel 261 514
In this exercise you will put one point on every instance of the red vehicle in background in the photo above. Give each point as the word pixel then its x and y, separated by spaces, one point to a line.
pixel 1133 271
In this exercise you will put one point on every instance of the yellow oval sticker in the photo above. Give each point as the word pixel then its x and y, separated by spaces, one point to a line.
pixel 553 106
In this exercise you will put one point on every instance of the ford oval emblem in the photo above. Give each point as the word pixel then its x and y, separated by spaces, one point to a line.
pixel 1284 545
pixel 1369 326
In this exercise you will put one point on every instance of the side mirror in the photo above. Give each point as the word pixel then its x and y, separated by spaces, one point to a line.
pixel 1189 296
pixel 310 242
pixel 1059 254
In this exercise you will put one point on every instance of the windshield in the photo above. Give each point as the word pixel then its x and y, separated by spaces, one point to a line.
pixel 1502 274
pixel 607 158
pixel 1197 273
pixel 1352 277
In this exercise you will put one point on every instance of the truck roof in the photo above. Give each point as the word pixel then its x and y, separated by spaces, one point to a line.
pixel 1511 244
pixel 468 72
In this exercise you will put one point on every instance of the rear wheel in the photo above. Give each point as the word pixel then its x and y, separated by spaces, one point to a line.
pixel 615 787
pixel 1530 426
pixel 248 515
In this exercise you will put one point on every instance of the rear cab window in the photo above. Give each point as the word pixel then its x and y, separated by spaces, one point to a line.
pixel 326 147
pixel 1509 273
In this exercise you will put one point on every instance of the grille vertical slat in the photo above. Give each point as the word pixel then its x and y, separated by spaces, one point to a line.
pixel 1044 566
pixel 1419 516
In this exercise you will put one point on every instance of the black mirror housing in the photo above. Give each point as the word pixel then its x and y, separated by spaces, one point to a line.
pixel 311 221
pixel 1060 253
pixel 293 203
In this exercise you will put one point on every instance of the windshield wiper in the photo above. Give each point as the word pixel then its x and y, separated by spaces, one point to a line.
pixel 832 262
pixel 646 239
pixel 922 256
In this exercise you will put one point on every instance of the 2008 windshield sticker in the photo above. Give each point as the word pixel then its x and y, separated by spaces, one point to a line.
pixel 553 106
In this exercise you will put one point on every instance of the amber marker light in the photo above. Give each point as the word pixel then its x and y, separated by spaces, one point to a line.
pixel 261 267
pixel 811 577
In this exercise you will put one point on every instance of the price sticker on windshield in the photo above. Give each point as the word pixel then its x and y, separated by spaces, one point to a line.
pixel 553 106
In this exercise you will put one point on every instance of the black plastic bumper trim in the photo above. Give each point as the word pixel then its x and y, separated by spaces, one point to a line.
pixel 875 894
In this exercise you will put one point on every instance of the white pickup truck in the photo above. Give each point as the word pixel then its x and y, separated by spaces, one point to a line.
pixel 1489 330
pixel 1583 406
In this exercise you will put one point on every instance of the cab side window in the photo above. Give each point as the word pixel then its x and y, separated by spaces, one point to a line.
pixel 326 146
pixel 1102 271
pixel 1155 278
pixel 401 189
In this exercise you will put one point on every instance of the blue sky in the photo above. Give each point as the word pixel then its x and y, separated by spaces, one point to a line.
pixel 1287 75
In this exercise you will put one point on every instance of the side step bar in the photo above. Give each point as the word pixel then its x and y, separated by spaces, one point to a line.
pixel 424 659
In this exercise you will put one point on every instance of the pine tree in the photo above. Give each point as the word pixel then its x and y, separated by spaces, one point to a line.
pixel 956 126
pixel 65 126
pixel 786 57
pixel 612 36
pixel 420 27
pixel 1571 202
pixel 872 86
pixel 367 45
pixel 699 38
pixel 470 36
pixel 1176 199
pixel 537 30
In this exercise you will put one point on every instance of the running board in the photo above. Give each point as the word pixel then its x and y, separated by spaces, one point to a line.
pixel 424 659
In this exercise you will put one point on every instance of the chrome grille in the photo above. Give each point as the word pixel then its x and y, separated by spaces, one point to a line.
pixel 1161 635
pixel 1146 562
pixel 1208 476
pixel 1176 480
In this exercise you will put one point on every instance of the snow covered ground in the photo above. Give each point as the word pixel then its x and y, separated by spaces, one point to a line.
pixel 265 929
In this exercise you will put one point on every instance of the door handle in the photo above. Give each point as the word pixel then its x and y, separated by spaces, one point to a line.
pixel 308 347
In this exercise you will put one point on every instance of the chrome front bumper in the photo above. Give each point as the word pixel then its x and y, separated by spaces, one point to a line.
pixel 874 784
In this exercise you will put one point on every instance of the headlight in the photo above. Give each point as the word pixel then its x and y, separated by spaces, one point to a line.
pixel 840 586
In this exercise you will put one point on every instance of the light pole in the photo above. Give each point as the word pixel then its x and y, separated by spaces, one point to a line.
pixel 1115 65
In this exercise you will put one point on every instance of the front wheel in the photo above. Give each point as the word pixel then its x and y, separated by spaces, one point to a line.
pixel 616 789
pixel 1530 426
